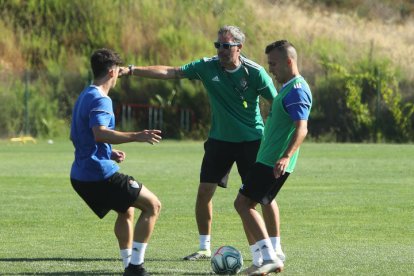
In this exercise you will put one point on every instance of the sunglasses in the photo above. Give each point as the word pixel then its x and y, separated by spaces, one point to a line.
pixel 225 45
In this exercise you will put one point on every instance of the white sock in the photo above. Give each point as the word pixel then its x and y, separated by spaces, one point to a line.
pixel 126 256
pixel 266 249
pixel 204 242
pixel 257 255
pixel 138 253
pixel 275 243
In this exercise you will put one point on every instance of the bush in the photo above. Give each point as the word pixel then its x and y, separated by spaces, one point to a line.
pixel 361 104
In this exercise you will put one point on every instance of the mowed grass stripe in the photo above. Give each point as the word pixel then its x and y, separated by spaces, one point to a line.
pixel 347 209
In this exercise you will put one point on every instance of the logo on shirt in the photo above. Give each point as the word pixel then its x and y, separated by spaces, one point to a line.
pixel 133 184
pixel 216 78
pixel 243 84
pixel 297 86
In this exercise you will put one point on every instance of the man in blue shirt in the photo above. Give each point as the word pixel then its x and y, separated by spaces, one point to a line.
pixel 94 174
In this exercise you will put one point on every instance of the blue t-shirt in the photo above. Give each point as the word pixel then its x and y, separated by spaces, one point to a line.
pixel 92 159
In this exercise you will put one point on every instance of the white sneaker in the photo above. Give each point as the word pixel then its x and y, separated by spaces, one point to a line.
pixel 280 254
pixel 249 270
pixel 267 267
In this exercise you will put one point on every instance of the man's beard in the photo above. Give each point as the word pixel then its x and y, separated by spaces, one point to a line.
pixel 224 60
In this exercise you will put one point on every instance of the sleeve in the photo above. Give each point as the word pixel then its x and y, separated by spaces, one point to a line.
pixel 101 112
pixel 298 103
pixel 192 69
pixel 266 88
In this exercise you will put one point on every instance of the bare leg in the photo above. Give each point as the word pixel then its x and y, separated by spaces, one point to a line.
pixel 272 218
pixel 124 228
pixel 150 207
pixel 204 207
pixel 255 228
pixel 253 223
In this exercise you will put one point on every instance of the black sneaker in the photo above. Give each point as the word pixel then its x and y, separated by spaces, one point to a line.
pixel 135 270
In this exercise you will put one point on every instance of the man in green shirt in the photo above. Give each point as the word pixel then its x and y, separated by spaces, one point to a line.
pixel 234 84
pixel 286 128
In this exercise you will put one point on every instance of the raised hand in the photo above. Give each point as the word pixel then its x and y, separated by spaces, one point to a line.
pixel 123 71
pixel 151 136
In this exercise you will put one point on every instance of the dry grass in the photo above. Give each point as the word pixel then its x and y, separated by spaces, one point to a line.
pixel 11 59
pixel 293 22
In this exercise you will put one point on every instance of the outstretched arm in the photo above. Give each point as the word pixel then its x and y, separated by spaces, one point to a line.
pixel 105 135
pixel 153 72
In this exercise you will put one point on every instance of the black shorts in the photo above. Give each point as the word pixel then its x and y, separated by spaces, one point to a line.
pixel 219 157
pixel 117 193
pixel 261 185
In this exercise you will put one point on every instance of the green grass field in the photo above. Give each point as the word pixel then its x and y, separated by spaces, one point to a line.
pixel 348 209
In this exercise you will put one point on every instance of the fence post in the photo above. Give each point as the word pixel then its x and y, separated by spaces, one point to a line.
pixel 123 117
pixel 185 119
pixel 161 119
pixel 150 118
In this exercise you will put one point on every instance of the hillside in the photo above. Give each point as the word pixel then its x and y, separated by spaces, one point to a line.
pixel 382 31
pixel 362 45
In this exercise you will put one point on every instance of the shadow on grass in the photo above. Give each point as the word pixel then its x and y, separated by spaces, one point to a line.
pixel 102 272
pixel 58 259
pixel 65 273
pixel 76 260
pixel 89 272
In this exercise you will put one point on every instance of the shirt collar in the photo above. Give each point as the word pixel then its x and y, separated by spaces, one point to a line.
pixel 99 89
pixel 234 70
pixel 291 80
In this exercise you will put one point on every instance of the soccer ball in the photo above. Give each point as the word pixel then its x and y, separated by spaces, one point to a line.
pixel 227 260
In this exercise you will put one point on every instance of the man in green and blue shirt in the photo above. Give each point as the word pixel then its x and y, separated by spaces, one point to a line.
pixel 285 130
pixel 234 84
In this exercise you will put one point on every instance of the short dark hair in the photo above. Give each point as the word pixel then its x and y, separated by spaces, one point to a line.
pixel 281 44
pixel 103 60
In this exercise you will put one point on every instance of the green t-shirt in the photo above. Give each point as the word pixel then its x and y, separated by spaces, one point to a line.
pixel 279 130
pixel 234 97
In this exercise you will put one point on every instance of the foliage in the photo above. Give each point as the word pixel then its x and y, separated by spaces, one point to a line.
pixel 53 39
pixel 396 10
pixel 362 103
pixel 11 106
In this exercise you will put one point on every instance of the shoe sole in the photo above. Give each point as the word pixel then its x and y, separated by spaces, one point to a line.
pixel 278 270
